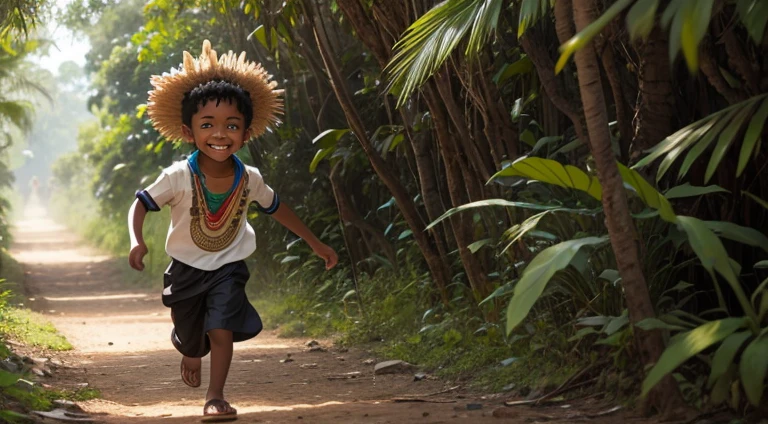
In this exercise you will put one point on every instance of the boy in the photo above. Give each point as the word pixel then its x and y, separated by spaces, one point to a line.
pixel 217 104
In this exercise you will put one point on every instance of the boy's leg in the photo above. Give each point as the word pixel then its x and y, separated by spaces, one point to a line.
pixel 188 319
pixel 221 358
pixel 190 370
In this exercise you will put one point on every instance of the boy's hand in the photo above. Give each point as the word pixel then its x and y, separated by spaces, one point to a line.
pixel 328 254
pixel 135 258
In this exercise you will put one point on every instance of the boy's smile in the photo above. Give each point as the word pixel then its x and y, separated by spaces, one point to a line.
pixel 217 130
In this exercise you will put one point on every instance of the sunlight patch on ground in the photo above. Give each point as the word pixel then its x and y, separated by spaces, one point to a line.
pixel 102 297
pixel 50 257
pixel 186 409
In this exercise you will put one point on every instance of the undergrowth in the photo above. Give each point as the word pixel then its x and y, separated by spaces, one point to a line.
pixel 32 329
pixel 396 322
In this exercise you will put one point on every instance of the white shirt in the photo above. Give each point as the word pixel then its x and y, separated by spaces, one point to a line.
pixel 174 187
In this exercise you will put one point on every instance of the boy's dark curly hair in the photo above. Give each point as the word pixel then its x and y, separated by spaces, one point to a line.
pixel 217 90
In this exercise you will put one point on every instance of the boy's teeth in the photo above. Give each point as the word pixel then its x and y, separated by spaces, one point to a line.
pixel 214 147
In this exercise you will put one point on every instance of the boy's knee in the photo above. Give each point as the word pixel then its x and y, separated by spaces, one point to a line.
pixel 220 336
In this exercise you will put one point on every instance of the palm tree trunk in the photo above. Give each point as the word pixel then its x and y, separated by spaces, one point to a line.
pixel 656 104
pixel 437 267
pixel 618 220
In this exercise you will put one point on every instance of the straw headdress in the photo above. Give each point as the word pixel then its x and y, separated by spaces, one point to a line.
pixel 164 106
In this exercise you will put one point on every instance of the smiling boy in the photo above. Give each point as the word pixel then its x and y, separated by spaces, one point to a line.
pixel 217 104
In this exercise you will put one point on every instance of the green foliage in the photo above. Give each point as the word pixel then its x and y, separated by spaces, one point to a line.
pixel 585 36
pixel 428 42
pixel 32 329
pixel 697 137
pixel 538 273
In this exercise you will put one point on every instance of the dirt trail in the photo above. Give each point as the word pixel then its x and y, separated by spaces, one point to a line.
pixel 122 348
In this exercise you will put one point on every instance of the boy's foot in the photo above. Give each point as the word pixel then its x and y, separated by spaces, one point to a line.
pixel 190 371
pixel 218 410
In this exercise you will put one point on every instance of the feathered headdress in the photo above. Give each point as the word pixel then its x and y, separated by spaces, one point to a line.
pixel 164 106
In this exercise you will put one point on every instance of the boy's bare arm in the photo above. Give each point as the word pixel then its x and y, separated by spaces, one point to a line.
pixel 136 216
pixel 288 218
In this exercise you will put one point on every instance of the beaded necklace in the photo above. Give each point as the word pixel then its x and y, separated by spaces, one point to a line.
pixel 214 231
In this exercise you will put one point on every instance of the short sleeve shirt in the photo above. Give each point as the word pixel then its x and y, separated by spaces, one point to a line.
pixel 174 187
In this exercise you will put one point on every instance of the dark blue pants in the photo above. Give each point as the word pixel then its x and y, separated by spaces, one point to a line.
pixel 201 301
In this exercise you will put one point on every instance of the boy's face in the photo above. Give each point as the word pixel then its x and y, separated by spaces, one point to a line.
pixel 217 130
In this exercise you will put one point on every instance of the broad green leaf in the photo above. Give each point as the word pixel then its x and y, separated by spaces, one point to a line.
pixel 553 172
pixel 568 176
pixel 706 245
pixel 319 156
pixel 501 291
pixel 616 324
pixel 725 354
pixel 545 141
pixel 388 204
pixel 761 290
pixel 648 194
pixel 524 65
pixel 404 234
pixel 697 14
pixel 528 138
pixel 506 203
pixel 722 386
pixel 754 130
pixel 641 18
pixel 261 34
pixel 735 232
pixel 585 36
pixel 596 321
pixel 725 140
pixel 688 345
pixel 611 275
pixel 582 333
pixel 754 17
pixel 474 247
pixel 538 273
pixel 752 368
pixel 519 230
pixel 329 138
pixel 7 379
pixel 289 259
pixel 713 256
pixel 687 190
pixel 649 324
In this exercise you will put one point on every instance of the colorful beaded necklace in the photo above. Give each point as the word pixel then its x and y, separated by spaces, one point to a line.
pixel 214 231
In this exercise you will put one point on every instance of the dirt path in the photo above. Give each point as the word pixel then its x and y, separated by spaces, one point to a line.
pixel 122 348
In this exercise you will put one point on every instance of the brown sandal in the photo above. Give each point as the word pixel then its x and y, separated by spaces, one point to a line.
pixel 219 405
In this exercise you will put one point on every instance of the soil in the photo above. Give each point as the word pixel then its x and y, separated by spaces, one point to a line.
pixel 120 335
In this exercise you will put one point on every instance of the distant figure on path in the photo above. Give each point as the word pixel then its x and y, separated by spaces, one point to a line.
pixel 217 104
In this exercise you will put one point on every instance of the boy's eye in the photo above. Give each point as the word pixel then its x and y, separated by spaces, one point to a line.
pixel 233 127
pixel 205 125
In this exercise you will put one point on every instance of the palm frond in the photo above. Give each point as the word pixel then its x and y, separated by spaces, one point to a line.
pixel 428 42
pixel 754 16
pixel 18 113
pixel 724 125
pixel 530 13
